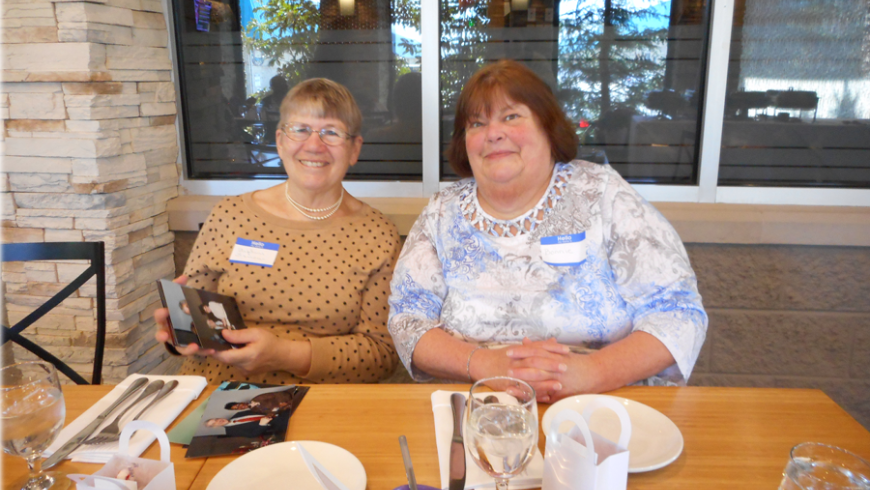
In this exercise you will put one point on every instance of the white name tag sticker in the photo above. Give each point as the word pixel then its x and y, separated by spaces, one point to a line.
pixel 252 252
pixel 564 250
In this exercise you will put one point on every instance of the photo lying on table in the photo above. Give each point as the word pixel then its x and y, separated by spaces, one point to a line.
pixel 183 431
pixel 239 420
pixel 197 316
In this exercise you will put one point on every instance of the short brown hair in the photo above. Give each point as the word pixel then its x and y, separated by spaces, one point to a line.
pixel 320 97
pixel 519 84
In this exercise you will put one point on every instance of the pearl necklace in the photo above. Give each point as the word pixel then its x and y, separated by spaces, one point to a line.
pixel 332 209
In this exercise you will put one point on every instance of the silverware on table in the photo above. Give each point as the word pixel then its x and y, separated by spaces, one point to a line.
pixel 167 389
pixel 113 430
pixel 83 434
pixel 457 446
pixel 406 458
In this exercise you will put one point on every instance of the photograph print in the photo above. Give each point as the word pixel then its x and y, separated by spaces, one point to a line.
pixel 183 330
pixel 240 420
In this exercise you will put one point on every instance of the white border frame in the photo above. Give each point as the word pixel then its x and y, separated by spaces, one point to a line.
pixel 708 190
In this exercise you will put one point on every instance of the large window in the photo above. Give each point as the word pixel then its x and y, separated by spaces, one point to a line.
pixel 690 100
pixel 617 68
pixel 238 58
pixel 797 110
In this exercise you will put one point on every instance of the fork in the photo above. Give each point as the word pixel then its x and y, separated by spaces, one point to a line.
pixel 167 389
pixel 112 432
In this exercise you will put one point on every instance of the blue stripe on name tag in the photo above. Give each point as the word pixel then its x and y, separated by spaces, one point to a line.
pixel 249 263
pixel 557 239
pixel 256 244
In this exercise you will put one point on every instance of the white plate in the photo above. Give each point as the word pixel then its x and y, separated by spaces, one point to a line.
pixel 655 440
pixel 281 466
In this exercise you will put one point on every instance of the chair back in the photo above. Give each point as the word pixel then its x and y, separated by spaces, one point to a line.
pixel 92 251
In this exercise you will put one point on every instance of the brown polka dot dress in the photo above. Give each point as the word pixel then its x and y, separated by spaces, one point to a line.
pixel 329 285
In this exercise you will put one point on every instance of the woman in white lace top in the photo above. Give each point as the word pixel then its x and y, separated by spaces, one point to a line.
pixel 561 262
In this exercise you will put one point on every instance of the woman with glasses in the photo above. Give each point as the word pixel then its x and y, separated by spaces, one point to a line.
pixel 316 312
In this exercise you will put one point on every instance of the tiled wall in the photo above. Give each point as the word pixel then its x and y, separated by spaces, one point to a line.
pixel 780 316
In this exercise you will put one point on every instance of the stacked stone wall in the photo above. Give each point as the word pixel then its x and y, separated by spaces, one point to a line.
pixel 90 153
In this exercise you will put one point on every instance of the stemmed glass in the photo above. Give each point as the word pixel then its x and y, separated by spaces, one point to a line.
pixel 32 413
pixel 502 427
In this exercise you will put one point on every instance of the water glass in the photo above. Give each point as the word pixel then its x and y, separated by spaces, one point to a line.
pixel 815 466
pixel 33 412
pixel 502 428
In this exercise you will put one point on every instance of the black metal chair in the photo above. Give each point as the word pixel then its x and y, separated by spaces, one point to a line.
pixel 93 251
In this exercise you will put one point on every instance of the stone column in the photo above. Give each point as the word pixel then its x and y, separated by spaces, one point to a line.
pixel 90 154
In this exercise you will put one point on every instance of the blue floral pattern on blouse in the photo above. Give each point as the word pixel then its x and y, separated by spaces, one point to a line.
pixel 490 290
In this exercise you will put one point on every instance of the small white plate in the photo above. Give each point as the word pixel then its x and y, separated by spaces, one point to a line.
pixel 281 466
pixel 655 440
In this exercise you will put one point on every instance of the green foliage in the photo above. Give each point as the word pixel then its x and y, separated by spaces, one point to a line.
pixel 635 58
pixel 286 33
pixel 464 37
pixel 634 55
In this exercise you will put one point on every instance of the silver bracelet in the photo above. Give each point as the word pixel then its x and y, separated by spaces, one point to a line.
pixel 468 364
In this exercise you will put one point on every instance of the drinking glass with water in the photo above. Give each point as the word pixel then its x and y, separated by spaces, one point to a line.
pixel 502 428
pixel 815 466
pixel 33 412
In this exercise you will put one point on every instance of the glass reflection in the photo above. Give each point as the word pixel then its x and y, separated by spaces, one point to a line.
pixel 628 72
pixel 238 60
pixel 797 111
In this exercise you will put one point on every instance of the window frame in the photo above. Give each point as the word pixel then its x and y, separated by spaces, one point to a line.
pixel 707 190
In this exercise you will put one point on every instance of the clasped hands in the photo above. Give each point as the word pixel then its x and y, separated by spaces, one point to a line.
pixel 550 368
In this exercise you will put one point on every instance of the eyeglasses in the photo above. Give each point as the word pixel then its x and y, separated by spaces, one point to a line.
pixel 329 136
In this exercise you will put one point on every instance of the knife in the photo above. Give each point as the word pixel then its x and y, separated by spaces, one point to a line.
pixel 320 473
pixel 79 438
pixel 457 447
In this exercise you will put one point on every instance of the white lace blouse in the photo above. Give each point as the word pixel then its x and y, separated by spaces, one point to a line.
pixel 485 281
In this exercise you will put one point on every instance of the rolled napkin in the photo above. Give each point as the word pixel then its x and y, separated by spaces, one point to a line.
pixel 162 414
pixel 474 476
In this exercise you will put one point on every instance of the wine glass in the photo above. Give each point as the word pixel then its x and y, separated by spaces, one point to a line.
pixel 32 414
pixel 502 428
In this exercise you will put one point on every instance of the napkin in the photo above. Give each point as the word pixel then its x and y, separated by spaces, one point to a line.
pixel 474 476
pixel 162 414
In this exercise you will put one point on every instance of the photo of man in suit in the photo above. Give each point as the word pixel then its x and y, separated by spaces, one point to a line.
pixel 243 424
pixel 217 310
pixel 241 416
pixel 267 403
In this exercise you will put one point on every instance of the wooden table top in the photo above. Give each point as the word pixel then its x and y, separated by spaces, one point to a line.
pixel 734 437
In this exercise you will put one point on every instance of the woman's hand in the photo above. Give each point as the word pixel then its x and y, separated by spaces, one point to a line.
pixel 264 352
pixel 638 356
pixel 542 364
pixel 161 316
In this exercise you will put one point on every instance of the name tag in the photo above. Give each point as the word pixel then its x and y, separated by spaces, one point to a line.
pixel 564 250
pixel 252 252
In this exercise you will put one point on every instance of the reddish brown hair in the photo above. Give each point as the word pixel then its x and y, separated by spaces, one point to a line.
pixel 517 83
